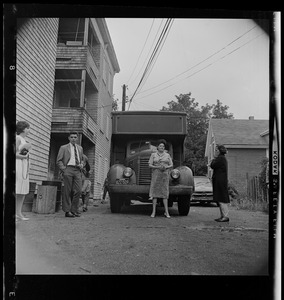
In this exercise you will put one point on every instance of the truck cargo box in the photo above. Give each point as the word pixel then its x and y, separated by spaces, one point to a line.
pixel 152 122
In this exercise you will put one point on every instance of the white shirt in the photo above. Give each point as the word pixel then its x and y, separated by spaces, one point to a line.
pixel 72 161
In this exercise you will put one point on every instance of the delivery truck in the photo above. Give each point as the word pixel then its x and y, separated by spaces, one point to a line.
pixel 135 135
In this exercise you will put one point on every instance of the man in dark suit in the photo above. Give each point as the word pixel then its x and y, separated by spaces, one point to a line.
pixel 70 162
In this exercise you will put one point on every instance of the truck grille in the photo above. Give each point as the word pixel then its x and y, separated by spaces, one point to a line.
pixel 144 172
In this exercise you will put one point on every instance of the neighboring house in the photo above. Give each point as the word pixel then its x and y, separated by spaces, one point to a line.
pixel 247 142
pixel 65 77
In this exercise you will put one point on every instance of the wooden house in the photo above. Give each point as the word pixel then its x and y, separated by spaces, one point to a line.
pixel 65 79
pixel 247 142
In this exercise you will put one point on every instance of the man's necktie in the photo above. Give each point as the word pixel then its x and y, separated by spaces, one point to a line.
pixel 76 155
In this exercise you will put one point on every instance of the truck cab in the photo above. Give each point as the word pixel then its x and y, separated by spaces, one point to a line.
pixel 135 135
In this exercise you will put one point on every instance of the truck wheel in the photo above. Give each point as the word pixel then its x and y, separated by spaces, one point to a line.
pixel 183 205
pixel 115 204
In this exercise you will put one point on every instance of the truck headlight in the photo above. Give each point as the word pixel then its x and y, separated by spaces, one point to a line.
pixel 175 174
pixel 127 172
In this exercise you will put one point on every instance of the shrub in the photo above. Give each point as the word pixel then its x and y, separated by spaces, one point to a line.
pixel 243 202
pixel 233 193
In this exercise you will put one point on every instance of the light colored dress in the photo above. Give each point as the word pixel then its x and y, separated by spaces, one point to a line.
pixel 22 171
pixel 159 187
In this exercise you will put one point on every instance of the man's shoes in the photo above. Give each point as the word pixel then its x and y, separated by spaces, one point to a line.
pixel 223 219
pixel 76 214
pixel 69 215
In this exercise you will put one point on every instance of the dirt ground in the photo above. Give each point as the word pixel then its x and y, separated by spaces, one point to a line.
pixel 131 242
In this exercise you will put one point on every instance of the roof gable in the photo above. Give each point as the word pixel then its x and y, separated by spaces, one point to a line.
pixel 239 132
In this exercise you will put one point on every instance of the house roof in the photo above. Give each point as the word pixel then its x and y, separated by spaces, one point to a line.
pixel 243 133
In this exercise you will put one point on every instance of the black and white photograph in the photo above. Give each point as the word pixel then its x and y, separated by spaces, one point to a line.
pixel 141 141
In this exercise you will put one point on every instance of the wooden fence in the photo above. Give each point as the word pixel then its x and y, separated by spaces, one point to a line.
pixel 255 191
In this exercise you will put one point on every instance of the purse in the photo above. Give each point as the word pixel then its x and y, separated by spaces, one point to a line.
pixel 24 151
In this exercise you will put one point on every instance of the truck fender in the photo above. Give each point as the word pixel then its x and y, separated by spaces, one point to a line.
pixel 116 172
pixel 186 176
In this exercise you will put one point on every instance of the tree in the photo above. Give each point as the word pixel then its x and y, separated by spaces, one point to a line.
pixel 197 126
pixel 114 105
pixel 220 112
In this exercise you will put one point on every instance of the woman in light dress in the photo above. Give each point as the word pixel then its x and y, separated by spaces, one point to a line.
pixel 160 162
pixel 22 167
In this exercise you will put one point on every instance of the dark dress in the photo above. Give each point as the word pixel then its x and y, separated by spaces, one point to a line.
pixel 220 179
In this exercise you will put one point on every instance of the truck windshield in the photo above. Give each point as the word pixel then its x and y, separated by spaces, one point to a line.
pixel 138 146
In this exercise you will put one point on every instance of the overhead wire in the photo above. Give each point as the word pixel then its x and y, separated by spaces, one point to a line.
pixel 163 42
pixel 149 62
pixel 151 59
pixel 223 48
pixel 194 72
pixel 142 66
pixel 156 54
pixel 141 51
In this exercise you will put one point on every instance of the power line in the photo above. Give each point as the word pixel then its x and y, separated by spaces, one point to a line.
pixel 197 70
pixel 154 53
pixel 141 51
pixel 157 52
pixel 156 56
pixel 150 60
pixel 149 51
pixel 223 48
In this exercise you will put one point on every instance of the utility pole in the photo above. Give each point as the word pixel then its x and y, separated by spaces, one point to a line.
pixel 123 97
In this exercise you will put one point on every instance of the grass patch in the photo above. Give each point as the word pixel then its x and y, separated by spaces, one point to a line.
pixel 243 202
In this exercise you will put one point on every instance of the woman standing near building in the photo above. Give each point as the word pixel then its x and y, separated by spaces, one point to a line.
pixel 22 167
pixel 220 182
pixel 160 162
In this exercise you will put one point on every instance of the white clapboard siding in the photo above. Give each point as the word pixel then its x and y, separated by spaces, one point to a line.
pixel 36 58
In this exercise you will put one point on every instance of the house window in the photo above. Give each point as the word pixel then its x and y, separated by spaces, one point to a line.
pixel 74 102
pixel 100 169
pixel 102 109
pixel 107 126
pixel 67 88
pixel 105 71
pixel 109 84
pixel 94 45
pixel 70 30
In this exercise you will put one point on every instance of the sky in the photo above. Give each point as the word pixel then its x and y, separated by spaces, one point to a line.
pixel 225 59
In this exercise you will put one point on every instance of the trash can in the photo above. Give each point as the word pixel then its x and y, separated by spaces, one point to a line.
pixel 58 184
pixel 46 200
pixel 29 198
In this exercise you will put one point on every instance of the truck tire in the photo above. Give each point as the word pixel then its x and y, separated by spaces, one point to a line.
pixel 183 205
pixel 115 203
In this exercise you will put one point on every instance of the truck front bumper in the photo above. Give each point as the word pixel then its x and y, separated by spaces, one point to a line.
pixel 179 190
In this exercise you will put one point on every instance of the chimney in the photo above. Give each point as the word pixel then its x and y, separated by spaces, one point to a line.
pixel 251 117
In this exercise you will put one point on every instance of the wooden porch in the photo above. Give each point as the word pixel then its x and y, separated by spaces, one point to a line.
pixel 68 119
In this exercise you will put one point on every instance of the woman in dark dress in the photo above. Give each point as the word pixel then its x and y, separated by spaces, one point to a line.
pixel 220 182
